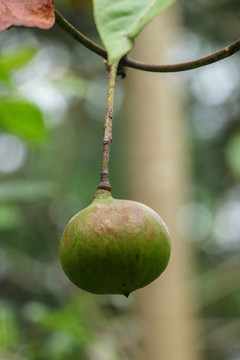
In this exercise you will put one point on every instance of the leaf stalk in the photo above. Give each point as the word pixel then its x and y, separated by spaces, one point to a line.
pixel 104 183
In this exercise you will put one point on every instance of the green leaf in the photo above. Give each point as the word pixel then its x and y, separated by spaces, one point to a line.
pixel 17 58
pixel 22 119
pixel 9 328
pixel 10 217
pixel 5 77
pixel 119 21
pixel 13 60
pixel 25 191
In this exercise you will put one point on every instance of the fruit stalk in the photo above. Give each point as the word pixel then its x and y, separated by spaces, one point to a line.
pixel 104 183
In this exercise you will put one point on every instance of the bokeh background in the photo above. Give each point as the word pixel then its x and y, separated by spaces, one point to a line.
pixel 52 107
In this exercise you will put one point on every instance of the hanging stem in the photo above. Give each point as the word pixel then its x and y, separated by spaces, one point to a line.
pixel 104 184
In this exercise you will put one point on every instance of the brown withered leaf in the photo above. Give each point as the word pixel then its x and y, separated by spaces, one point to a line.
pixel 28 13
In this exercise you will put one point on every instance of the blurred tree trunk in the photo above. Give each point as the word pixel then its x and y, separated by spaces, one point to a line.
pixel 158 175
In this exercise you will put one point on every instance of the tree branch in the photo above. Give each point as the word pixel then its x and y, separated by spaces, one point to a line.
pixel 207 60
pixel 128 62
pixel 77 35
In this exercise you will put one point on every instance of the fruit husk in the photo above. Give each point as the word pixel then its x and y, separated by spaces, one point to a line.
pixel 114 246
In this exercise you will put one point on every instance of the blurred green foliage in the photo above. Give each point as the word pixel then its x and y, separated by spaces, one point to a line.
pixel 22 119
pixel 52 106
pixel 18 116
pixel 50 159
pixel 12 60
pixel 9 328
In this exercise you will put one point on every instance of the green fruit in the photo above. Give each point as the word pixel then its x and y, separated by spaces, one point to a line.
pixel 114 246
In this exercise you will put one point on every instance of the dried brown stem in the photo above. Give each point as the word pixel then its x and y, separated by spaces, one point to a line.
pixel 104 184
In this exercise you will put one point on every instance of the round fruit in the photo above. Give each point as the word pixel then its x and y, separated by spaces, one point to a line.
pixel 114 246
